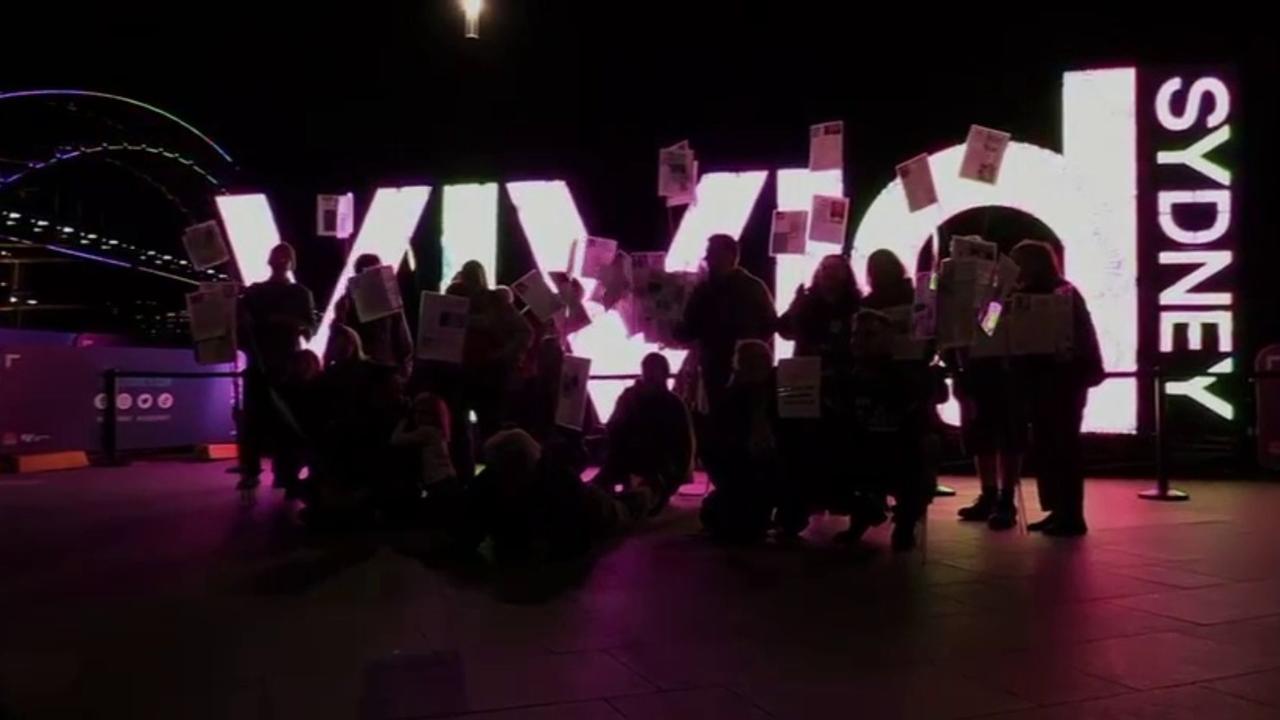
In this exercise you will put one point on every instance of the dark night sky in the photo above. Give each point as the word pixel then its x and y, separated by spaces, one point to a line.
pixel 334 96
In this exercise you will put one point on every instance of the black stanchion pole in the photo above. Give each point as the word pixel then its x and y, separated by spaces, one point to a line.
pixel 110 383
pixel 1162 491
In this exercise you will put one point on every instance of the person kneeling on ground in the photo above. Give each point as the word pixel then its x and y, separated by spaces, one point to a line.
pixel 890 407
pixel 742 460
pixel 533 507
pixel 650 436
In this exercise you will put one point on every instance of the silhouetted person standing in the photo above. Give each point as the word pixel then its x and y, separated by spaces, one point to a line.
pixel 275 316
pixel 497 341
pixel 386 340
pixel 1057 387
pixel 821 316
pixel 729 306
pixel 887 282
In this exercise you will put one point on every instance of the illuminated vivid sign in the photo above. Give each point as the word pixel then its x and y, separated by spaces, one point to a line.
pixel 1133 192
pixel 1187 234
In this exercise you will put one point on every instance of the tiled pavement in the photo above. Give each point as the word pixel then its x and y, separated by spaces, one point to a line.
pixel 153 592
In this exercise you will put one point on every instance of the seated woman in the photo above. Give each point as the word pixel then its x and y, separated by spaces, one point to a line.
pixel 742 459
pixel 534 508
pixel 358 403
pixel 425 431
pixel 298 413
pixel 888 408
pixel 650 436
pixel 532 405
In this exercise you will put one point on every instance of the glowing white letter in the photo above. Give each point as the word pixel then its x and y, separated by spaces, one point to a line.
pixel 1183 291
pixel 251 233
pixel 469 229
pixel 1195 320
pixel 1195 156
pixel 1204 86
pixel 386 231
pixel 1166 200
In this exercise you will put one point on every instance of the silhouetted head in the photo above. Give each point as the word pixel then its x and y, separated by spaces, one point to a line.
pixel 752 362
pixel 304 366
pixel 722 255
pixel 366 261
pixel 282 259
pixel 834 280
pixel 872 335
pixel 1037 264
pixel 512 453
pixel 472 277
pixel 344 345
pixel 431 411
pixel 884 270
pixel 655 371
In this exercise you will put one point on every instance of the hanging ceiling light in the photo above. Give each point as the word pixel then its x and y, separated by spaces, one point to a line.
pixel 472 9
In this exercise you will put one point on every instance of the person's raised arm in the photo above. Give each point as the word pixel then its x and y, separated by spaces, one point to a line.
pixel 789 321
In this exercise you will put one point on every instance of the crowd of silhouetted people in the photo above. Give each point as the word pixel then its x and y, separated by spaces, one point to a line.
pixel 472 451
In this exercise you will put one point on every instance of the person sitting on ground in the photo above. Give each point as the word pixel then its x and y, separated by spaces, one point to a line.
pixel 534 508
pixel 361 401
pixel 889 408
pixel 426 430
pixel 743 462
pixel 533 406
pixel 300 396
pixel 650 436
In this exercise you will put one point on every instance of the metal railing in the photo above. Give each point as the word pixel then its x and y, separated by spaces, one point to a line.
pixel 1162 490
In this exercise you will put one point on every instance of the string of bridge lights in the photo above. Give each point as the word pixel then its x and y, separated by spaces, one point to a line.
pixel 68 240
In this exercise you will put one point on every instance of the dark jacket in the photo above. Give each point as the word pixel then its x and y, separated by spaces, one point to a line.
pixel 1082 368
pixel 720 312
pixel 651 432
pixel 899 293
pixel 274 317
pixel 819 327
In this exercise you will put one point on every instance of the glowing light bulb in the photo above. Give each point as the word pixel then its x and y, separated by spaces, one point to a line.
pixel 472 9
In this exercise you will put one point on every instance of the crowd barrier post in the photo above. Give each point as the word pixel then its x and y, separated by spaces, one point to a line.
pixel 1161 491
pixel 110 413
